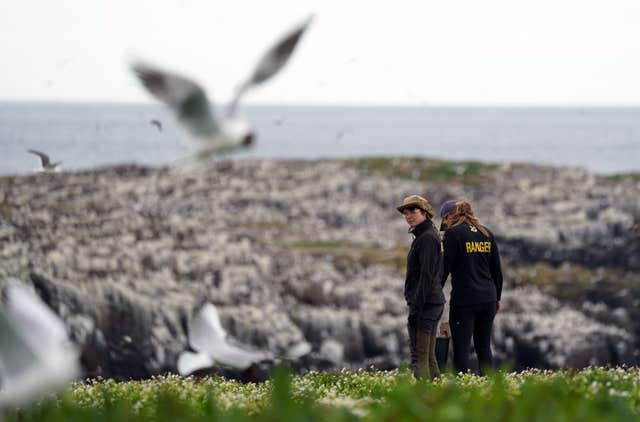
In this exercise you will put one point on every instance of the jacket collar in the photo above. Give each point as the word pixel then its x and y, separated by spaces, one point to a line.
pixel 421 228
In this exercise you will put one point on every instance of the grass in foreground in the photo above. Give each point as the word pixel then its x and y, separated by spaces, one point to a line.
pixel 590 395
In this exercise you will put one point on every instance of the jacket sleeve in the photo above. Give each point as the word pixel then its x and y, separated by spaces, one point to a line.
pixel 450 255
pixel 429 259
pixel 495 267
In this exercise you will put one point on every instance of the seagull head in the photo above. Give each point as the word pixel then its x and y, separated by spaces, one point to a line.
pixel 239 131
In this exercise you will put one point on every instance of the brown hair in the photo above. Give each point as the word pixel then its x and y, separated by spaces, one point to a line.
pixel 463 213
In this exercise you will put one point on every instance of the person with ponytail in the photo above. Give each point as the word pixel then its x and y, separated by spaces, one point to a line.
pixel 422 288
pixel 471 257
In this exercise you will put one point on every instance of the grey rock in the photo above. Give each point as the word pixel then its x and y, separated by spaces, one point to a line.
pixel 536 330
pixel 125 254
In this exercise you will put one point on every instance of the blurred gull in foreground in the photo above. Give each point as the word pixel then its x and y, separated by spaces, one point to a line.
pixel 36 356
pixel 47 165
pixel 209 341
pixel 189 101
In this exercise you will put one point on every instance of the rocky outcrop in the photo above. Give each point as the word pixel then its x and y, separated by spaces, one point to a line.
pixel 294 251
pixel 536 330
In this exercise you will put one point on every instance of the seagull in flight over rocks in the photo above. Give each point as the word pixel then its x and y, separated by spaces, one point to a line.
pixel 209 341
pixel 36 356
pixel 188 100
pixel 212 347
pixel 47 165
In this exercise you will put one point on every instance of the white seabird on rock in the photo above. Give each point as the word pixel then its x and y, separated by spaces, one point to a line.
pixel 189 101
pixel 47 165
pixel 36 356
pixel 209 341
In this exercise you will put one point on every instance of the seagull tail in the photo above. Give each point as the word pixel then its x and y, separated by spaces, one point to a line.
pixel 189 362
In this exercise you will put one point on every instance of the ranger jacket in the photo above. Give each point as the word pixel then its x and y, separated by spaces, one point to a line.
pixel 474 263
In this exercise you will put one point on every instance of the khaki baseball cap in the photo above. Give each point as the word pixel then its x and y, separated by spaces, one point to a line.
pixel 416 201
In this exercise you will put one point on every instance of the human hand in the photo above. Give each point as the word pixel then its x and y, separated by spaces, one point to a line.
pixel 445 330
pixel 497 306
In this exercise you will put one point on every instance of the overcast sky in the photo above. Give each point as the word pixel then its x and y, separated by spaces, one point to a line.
pixel 489 52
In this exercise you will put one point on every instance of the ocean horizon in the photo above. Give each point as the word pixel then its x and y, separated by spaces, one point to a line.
pixel 604 140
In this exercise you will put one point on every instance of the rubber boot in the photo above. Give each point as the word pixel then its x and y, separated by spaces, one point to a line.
pixel 412 348
pixel 422 353
pixel 433 362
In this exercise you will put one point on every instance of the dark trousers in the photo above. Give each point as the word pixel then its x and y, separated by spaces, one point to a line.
pixel 425 320
pixel 476 320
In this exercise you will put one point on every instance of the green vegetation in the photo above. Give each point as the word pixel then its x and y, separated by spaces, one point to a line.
pixel 551 279
pixel 347 254
pixel 570 282
pixel 619 177
pixel 593 394
pixel 428 170
pixel 396 257
pixel 319 244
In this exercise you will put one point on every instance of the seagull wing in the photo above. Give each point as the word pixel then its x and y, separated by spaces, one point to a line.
pixel 206 324
pixel 44 158
pixel 272 61
pixel 185 97
pixel 39 325
pixel 46 362
pixel 24 375
pixel 15 354
pixel 206 335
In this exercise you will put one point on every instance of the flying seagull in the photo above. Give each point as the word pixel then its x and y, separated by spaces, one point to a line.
pixel 47 165
pixel 36 357
pixel 157 123
pixel 188 100
pixel 209 341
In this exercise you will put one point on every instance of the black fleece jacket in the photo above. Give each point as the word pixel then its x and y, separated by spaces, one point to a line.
pixel 474 263
pixel 424 268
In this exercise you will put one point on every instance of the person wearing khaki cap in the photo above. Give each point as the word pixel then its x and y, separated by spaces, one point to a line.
pixel 422 288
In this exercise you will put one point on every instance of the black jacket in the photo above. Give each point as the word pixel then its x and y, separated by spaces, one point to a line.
pixel 474 263
pixel 424 268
